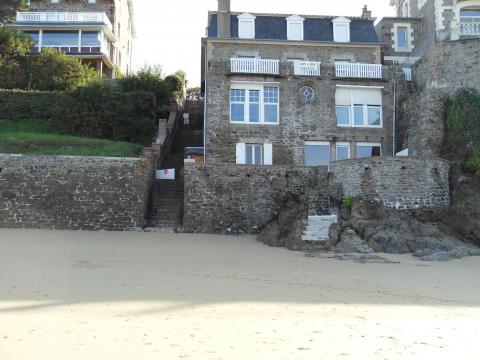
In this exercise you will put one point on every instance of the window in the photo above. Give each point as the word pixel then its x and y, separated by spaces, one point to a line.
pixel 359 107
pixel 92 1
pixel 246 26
pixel 317 153
pixel 254 104
pixel 295 27
pixel 402 37
pixel 55 1
pixel 341 29
pixel 470 22
pixel 342 151
pixel 368 150
pixel 254 154
pixel 34 35
pixel 59 38
pixel 90 38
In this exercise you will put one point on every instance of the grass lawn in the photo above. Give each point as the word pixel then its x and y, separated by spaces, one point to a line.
pixel 37 138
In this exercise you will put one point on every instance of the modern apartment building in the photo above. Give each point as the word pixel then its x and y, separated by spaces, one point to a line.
pixel 290 89
pixel 100 32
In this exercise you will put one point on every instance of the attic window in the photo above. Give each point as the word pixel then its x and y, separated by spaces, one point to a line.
pixel 246 26
pixel 341 30
pixel 295 28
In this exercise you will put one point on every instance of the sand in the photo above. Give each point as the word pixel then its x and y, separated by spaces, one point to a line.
pixel 80 295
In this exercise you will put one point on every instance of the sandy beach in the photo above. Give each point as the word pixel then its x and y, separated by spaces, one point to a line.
pixel 80 295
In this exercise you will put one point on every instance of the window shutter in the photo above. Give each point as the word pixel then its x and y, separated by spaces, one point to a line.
pixel 267 154
pixel 240 153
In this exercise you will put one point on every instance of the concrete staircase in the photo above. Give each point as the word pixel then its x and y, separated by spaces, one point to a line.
pixel 166 205
pixel 318 228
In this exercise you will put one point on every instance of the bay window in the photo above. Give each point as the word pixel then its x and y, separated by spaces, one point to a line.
pixel 359 107
pixel 254 104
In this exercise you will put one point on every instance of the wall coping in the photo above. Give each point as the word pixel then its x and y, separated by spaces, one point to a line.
pixel 390 159
pixel 66 157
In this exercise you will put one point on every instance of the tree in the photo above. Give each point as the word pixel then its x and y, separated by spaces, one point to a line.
pixel 8 8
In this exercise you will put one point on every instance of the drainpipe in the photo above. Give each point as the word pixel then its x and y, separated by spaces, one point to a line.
pixel 394 145
pixel 205 104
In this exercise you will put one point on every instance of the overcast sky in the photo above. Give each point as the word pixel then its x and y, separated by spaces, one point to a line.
pixel 169 32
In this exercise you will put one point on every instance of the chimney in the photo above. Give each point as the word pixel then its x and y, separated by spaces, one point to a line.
pixel 366 14
pixel 223 19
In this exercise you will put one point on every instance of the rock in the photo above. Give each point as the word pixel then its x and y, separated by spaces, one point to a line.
pixel 351 242
pixel 271 236
pixel 455 253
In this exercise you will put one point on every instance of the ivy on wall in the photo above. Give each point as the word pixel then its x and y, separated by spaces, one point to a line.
pixel 462 122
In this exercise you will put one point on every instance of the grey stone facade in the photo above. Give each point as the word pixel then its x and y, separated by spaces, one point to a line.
pixel 400 183
pixel 299 121
pixel 244 198
pixel 75 193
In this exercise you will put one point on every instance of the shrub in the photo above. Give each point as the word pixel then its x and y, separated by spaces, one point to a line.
pixel 17 104
pixel 150 79
pixel 347 201
pixel 473 165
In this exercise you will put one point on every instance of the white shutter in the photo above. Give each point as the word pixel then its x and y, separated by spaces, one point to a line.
pixel 367 96
pixel 267 154
pixel 240 153
pixel 342 96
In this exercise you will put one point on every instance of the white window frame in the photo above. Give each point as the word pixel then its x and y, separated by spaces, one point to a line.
pixel 253 147
pixel 365 109
pixel 343 144
pixel 266 153
pixel 368 144
pixel 338 24
pixel 246 26
pixel 410 38
pixel 291 22
pixel 246 114
pixel 318 143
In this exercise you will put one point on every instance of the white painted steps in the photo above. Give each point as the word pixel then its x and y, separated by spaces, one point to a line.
pixel 318 228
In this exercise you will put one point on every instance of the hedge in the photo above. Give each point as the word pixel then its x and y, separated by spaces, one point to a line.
pixel 17 105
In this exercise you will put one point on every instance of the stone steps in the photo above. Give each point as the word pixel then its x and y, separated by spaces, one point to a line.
pixel 318 228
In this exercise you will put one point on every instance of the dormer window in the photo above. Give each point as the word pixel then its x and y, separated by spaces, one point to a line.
pixel 295 28
pixel 341 30
pixel 246 26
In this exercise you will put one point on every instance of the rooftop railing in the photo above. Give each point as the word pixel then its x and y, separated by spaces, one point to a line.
pixel 357 70
pixel 64 17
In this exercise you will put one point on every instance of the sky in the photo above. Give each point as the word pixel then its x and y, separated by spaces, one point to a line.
pixel 169 32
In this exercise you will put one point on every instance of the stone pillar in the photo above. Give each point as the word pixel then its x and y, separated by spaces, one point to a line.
pixel 223 19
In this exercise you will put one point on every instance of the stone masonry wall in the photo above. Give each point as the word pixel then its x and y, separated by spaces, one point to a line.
pixel 223 198
pixel 401 183
pixel 446 68
pixel 299 121
pixel 75 193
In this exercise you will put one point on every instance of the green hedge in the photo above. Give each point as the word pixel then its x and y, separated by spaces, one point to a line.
pixel 100 110
pixel 18 105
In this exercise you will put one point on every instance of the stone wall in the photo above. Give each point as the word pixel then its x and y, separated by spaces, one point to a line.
pixel 75 193
pixel 299 121
pixel 223 198
pixel 446 68
pixel 401 183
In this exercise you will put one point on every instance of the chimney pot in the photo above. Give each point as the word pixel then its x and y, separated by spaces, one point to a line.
pixel 366 14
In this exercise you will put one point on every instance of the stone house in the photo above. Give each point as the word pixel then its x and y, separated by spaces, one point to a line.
pixel 283 89
pixel 100 32
pixel 422 23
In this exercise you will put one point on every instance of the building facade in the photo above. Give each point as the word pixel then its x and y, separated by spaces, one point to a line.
pixel 284 89
pixel 421 23
pixel 100 32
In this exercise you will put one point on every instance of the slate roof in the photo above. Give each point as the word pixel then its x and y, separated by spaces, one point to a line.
pixel 274 27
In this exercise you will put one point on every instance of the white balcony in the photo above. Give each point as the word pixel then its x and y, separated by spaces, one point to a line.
pixel 306 68
pixel 255 66
pixel 363 71
pixel 64 17
pixel 470 29
pixel 408 73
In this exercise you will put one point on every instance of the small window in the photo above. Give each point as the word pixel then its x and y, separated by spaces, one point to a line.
pixel 341 29
pixel 374 115
pixel 368 150
pixel 295 27
pixel 270 99
pixel 237 105
pixel 343 151
pixel 317 153
pixel 253 155
pixel 358 115
pixel 343 115
pixel 402 37
pixel 246 26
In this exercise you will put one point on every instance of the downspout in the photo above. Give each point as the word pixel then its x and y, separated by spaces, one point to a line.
pixel 394 145
pixel 205 97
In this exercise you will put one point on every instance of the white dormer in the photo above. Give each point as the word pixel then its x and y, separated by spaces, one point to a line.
pixel 341 29
pixel 246 26
pixel 295 27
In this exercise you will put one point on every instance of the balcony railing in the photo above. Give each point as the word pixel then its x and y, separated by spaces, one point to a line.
pixel 364 71
pixel 255 66
pixel 306 68
pixel 64 17
pixel 408 73
pixel 470 29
